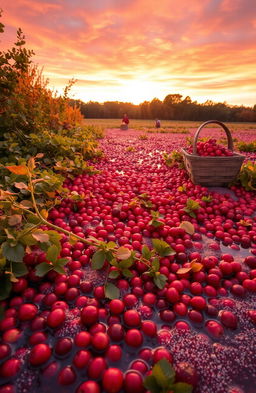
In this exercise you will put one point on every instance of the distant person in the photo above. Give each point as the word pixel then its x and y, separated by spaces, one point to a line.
pixel 125 122
pixel 158 123
pixel 125 119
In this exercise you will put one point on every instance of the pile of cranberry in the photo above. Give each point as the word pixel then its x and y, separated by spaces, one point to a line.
pixel 211 148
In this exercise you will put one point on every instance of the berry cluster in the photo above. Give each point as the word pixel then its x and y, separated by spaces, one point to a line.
pixel 211 148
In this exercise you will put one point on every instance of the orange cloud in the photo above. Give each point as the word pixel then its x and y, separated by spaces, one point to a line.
pixel 139 49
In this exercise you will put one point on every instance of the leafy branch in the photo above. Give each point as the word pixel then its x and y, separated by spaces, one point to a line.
pixel 162 379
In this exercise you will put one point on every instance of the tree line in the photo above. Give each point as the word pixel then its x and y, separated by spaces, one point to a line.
pixel 173 107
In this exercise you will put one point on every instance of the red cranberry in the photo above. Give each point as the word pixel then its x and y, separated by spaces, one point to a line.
pixel 228 319
pixel 112 380
pixel 134 338
pixel 40 354
pixel 133 382
pixel 89 315
pixel 89 387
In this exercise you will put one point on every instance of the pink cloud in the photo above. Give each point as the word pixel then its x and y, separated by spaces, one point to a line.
pixel 109 42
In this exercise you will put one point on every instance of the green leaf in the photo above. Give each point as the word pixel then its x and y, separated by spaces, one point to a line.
pixel 13 253
pixel 162 248
pixel 98 259
pixel 114 262
pixel 52 253
pixel 5 286
pixel 126 263
pixel 114 274
pixel 160 280
pixel 156 223
pixel 19 269
pixel 181 387
pixel 109 255
pixel 43 268
pixel 111 291
pixel 146 253
pixel 127 273
pixel 111 245
pixel 150 383
pixel 164 373
pixel 61 261
pixel 59 269
pixel 155 264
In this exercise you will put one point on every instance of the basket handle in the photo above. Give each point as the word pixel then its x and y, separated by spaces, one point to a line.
pixel 225 128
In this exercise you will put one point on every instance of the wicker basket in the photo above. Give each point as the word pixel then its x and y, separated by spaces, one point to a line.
pixel 212 171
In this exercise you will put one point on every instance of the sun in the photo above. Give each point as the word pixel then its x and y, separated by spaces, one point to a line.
pixel 138 90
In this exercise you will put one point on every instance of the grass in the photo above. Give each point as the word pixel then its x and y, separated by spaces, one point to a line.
pixel 170 126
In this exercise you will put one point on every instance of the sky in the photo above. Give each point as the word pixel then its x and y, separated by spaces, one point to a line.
pixel 137 50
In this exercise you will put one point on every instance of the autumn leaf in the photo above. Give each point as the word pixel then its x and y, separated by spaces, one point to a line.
pixel 15 219
pixel 123 253
pixel 18 169
pixel 41 237
pixel 184 270
pixel 21 186
pixel 188 227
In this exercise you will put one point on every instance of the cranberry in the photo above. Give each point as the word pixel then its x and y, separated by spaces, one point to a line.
pixel 10 368
pixel 162 353
pixel 89 387
pixel 134 338
pixel 89 315
pixel 100 341
pixel 27 312
pixel 56 318
pixel 112 380
pixel 66 376
pixel 228 319
pixel 133 382
pixel 40 354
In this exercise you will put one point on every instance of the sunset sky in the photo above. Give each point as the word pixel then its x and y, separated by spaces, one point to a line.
pixel 135 50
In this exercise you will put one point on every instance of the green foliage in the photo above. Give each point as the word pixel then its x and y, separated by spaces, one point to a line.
pixel 174 158
pixel 155 222
pixel 191 207
pixel 207 198
pixel 247 176
pixel 141 200
pixel 119 261
pixel 34 119
pixel 162 379
pixel 25 199
pixel 246 147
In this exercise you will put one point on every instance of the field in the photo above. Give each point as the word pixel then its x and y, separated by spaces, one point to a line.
pixel 168 125
pixel 163 269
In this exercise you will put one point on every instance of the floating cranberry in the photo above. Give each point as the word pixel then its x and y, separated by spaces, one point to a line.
pixel 134 338
pixel 10 368
pixel 172 295
pixel 89 315
pixel 27 312
pixel 66 376
pixel 214 329
pixel 40 354
pixel 112 380
pixel 132 318
pixel 133 382
pixel 162 353
pixel 56 318
pixel 96 367
pixel 228 319
pixel 100 341
pixel 88 387
pixel 198 302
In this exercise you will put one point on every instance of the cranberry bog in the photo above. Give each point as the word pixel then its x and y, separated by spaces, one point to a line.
pixel 62 333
